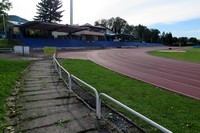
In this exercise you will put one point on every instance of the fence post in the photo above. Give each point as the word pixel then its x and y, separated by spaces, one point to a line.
pixel 69 83
pixel 99 109
pixel 60 71
pixel 96 94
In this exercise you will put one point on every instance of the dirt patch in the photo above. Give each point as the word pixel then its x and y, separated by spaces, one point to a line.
pixel 175 49
pixel 172 51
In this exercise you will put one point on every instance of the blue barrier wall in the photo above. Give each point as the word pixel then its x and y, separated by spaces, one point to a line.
pixel 68 43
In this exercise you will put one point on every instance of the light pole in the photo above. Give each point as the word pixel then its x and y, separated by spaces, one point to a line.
pixel 71 12
pixel 4 25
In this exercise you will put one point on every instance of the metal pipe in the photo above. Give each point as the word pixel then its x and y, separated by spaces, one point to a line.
pixel 71 12
pixel 96 95
pixel 135 113
pixel 60 72
pixel 4 25
pixel 98 100
pixel 69 79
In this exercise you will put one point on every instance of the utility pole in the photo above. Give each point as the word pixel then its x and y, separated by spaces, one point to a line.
pixel 71 12
pixel 4 25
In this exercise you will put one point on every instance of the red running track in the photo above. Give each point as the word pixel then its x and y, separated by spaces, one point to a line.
pixel 177 76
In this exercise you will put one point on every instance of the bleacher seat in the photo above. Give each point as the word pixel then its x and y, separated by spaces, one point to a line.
pixel 41 42
pixel 197 46
pixel 72 43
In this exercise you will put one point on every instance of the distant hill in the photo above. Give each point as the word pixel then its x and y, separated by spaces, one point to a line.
pixel 16 18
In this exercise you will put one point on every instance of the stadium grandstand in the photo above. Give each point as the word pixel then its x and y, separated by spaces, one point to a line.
pixel 36 34
pixel 197 46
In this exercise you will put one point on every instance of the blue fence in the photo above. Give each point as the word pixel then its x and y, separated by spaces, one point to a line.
pixel 198 46
pixel 41 42
pixel 68 43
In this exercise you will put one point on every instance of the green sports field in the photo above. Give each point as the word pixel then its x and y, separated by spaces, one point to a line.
pixel 173 111
pixel 192 55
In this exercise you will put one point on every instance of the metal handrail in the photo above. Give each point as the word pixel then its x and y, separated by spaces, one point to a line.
pixel 161 128
pixel 56 63
pixel 58 67
pixel 69 79
pixel 96 95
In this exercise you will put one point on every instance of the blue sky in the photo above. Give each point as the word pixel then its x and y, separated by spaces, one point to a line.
pixel 187 28
pixel 181 17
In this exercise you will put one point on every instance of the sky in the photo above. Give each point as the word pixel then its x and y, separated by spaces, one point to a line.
pixel 180 17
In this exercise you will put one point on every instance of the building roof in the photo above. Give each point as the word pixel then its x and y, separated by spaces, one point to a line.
pixel 122 35
pixel 46 26
pixel 15 18
pixel 89 25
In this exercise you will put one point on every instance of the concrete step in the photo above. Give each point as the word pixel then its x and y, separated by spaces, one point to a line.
pixel 47 106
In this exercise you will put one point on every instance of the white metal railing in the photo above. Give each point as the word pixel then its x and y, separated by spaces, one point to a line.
pixel 60 68
pixel 98 96
pixel 69 78
pixel 161 128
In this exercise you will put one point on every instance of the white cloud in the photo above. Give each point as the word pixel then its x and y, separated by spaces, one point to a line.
pixel 146 12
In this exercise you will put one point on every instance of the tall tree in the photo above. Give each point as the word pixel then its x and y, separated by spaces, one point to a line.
pixel 169 38
pixel 183 41
pixel 154 35
pixel 129 29
pixel 193 40
pixel 140 32
pixel 48 11
pixel 102 22
pixel 117 25
pixel 5 5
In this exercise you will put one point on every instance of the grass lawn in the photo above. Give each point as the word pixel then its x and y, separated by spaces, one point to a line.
pixel 192 55
pixel 6 43
pixel 10 71
pixel 173 111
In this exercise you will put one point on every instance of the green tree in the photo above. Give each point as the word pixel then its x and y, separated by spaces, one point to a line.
pixel 48 11
pixel 183 41
pixel 154 35
pixel 193 40
pixel 141 32
pixel 169 38
pixel 129 29
pixel 117 25
pixel 102 22
pixel 5 5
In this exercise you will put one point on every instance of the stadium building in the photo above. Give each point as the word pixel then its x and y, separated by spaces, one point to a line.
pixel 36 34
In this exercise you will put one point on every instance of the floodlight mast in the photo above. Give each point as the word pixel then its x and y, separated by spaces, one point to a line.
pixel 4 25
pixel 71 12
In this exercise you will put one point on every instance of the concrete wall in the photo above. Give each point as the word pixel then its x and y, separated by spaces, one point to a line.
pixel 21 50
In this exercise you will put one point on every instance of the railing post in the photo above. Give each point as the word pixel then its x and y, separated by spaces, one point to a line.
pixel 96 95
pixel 99 109
pixel 59 68
pixel 69 83
pixel 56 67
pixel 60 72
